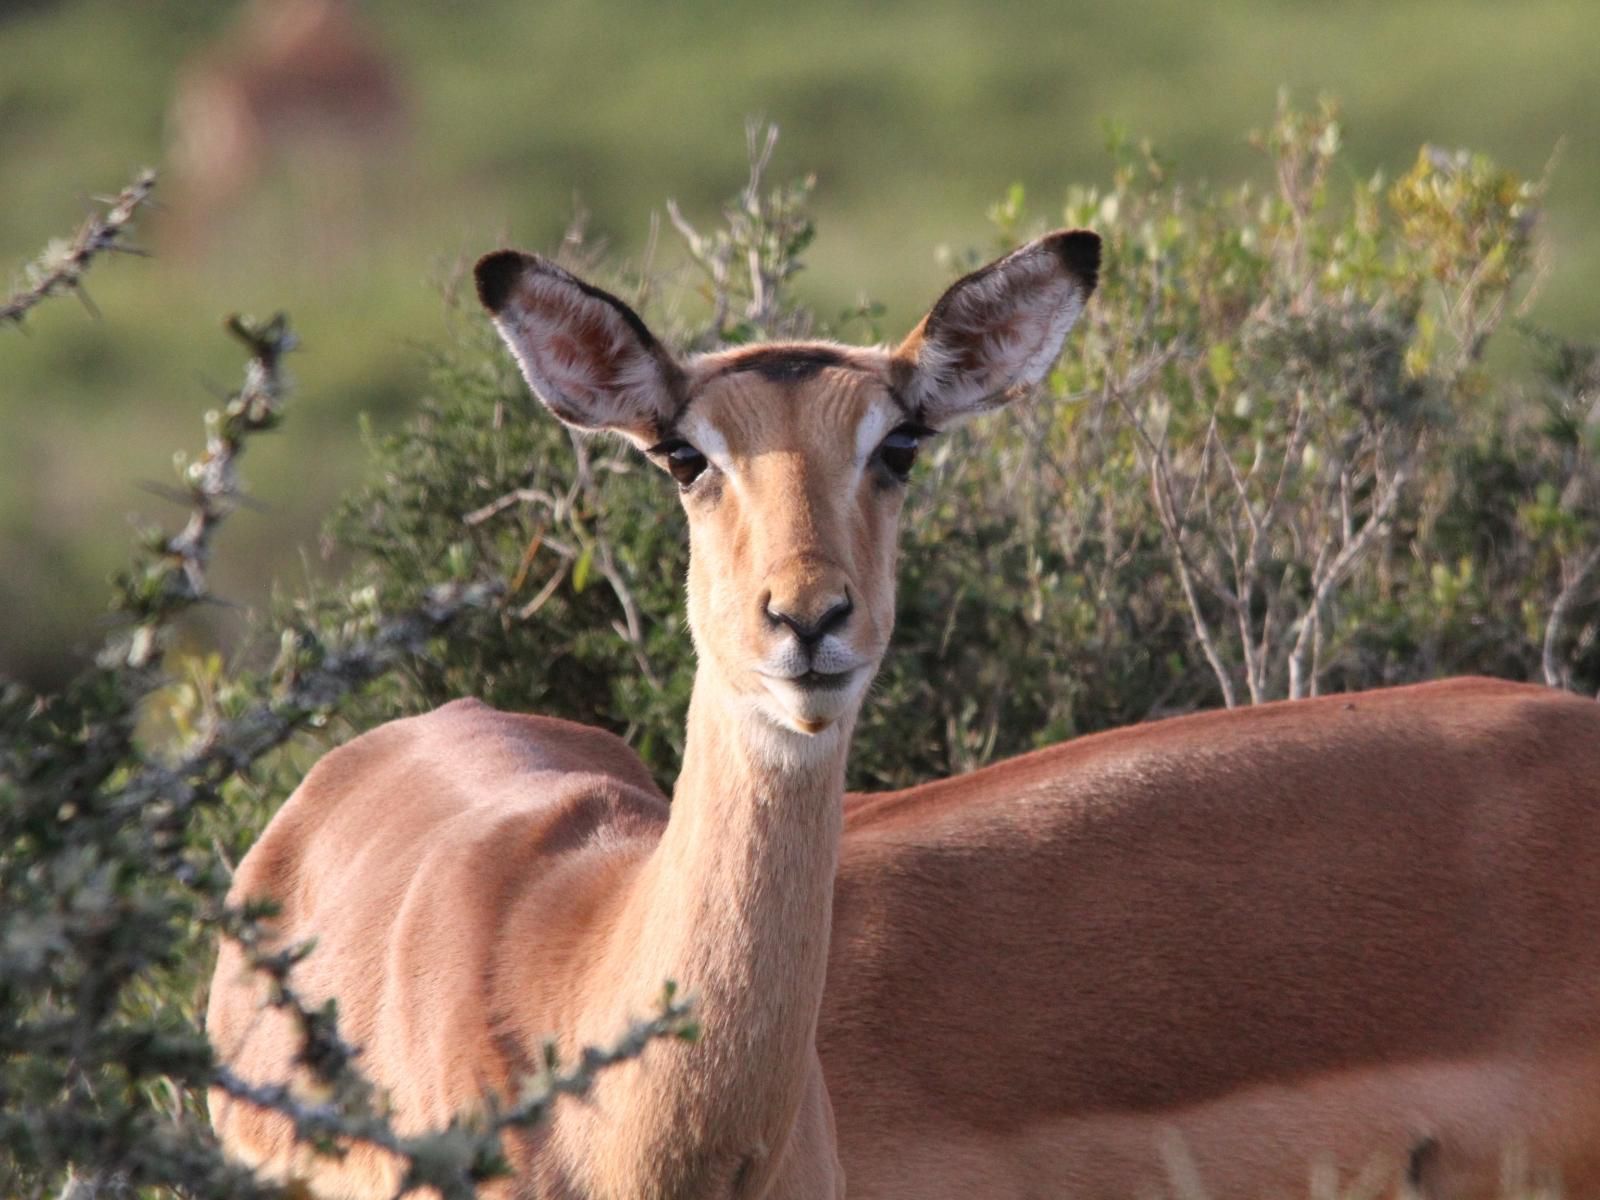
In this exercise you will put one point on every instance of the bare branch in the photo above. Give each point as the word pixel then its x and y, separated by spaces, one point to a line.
pixel 1351 553
pixel 1572 585
pixel 759 146
pixel 510 500
pixel 1159 485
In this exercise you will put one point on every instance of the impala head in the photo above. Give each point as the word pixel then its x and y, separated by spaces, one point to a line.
pixel 791 459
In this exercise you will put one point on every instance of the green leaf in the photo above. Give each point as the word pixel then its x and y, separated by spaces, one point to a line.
pixel 580 569
pixel 1220 360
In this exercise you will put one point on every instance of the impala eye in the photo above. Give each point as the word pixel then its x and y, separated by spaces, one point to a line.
pixel 683 461
pixel 898 451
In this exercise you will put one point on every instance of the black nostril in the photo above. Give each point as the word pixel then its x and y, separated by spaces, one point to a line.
pixel 835 616
pixel 810 632
pixel 800 629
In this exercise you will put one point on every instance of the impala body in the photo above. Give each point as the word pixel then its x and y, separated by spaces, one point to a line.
pixel 1359 930
pixel 1352 934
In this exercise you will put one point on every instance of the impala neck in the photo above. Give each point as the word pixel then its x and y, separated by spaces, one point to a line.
pixel 748 863
pixel 735 904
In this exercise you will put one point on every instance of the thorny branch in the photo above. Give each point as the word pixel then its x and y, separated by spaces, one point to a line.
pixel 175 577
pixel 459 1159
pixel 136 808
pixel 231 747
pixel 315 676
pixel 63 265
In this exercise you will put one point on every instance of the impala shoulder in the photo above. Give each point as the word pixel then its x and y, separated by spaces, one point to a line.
pixel 458 765
pixel 482 737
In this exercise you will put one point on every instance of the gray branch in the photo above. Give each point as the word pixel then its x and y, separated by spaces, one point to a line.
pixel 1571 588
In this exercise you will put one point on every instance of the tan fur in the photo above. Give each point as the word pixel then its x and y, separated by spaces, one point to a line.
pixel 1354 933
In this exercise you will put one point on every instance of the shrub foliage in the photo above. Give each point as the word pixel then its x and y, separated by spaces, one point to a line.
pixel 1292 450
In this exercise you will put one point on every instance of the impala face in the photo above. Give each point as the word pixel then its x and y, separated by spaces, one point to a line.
pixel 791 459
pixel 792 462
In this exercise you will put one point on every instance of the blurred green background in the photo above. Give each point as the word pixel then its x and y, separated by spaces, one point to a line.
pixel 502 120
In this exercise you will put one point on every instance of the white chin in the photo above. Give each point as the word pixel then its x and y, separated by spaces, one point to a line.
pixel 805 710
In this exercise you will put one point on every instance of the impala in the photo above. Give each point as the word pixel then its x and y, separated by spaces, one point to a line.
pixel 1350 934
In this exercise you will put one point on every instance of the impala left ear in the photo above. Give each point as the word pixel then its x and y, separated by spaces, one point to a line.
pixel 996 332
pixel 585 353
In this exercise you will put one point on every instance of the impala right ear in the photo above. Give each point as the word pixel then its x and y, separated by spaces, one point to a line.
pixel 585 353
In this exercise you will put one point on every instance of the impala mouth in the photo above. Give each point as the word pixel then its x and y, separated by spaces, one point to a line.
pixel 814 680
pixel 822 681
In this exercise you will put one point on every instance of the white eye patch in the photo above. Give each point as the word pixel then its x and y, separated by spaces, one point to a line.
pixel 875 425
pixel 704 437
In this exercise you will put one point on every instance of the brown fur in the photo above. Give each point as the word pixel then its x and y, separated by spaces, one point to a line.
pixel 1350 888
pixel 1357 931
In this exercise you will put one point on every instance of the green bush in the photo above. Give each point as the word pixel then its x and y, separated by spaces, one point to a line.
pixel 1284 454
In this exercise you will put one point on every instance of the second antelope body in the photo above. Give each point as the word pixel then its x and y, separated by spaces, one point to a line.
pixel 1359 933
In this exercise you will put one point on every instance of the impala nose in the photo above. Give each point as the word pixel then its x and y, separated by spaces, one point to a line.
pixel 809 622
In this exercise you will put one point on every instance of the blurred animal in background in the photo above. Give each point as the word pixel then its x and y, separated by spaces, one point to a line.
pixel 299 97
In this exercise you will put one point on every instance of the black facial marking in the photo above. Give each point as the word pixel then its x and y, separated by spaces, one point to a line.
pixel 786 364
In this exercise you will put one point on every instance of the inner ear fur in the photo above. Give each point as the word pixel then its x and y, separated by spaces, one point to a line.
pixel 996 332
pixel 585 353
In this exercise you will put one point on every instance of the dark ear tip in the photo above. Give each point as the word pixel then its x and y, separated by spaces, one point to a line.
pixel 1079 252
pixel 497 275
